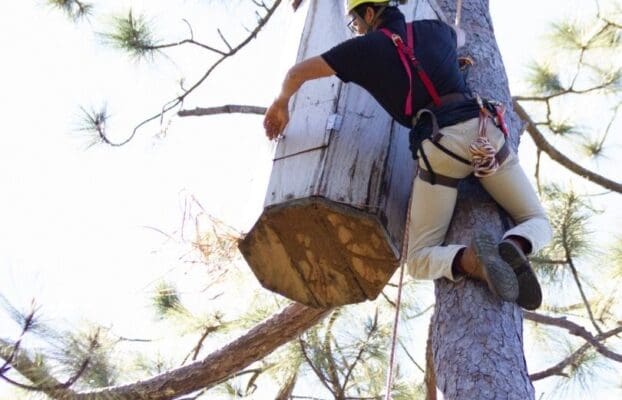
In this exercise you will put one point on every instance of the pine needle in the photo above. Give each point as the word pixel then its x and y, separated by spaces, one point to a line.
pixel 133 35
pixel 73 9
pixel 544 80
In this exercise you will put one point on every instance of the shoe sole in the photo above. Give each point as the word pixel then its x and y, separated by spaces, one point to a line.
pixel 529 291
pixel 499 276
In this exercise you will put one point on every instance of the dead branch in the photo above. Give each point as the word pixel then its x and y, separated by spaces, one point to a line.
pixel 226 109
pixel 560 158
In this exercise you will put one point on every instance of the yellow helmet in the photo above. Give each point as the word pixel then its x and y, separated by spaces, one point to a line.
pixel 352 4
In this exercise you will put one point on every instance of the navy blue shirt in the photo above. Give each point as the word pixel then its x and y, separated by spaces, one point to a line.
pixel 372 62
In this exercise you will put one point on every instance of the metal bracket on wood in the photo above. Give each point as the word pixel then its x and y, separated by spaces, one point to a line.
pixel 334 122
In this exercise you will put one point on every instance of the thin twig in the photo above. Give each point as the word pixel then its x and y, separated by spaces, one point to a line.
pixel 317 372
pixel 362 350
pixel 410 356
pixel 575 275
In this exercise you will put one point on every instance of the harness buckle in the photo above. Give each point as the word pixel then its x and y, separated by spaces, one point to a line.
pixel 397 40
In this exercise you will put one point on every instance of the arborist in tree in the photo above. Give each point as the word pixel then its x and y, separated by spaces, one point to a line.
pixel 453 134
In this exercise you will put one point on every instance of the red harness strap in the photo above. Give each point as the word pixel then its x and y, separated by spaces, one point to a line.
pixel 407 53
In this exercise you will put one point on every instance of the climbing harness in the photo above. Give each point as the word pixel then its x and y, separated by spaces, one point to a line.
pixel 406 54
pixel 485 159
pixel 483 153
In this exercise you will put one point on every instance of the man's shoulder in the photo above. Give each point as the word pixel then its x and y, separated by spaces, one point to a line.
pixel 426 28
pixel 430 23
pixel 432 26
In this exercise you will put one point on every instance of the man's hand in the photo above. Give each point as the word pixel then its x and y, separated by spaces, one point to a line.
pixel 276 118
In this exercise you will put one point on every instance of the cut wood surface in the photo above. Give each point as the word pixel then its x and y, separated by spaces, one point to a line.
pixel 320 253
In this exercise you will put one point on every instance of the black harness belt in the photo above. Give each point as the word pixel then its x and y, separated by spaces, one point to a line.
pixel 457 107
pixel 448 181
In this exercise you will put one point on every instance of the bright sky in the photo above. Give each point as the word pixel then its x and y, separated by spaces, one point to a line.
pixel 73 221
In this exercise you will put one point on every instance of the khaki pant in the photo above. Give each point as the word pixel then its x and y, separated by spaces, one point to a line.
pixel 434 204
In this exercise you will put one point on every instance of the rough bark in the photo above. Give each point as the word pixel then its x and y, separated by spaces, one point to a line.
pixel 218 366
pixel 477 339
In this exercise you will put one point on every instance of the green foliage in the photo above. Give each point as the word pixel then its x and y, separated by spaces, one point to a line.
pixel 348 353
pixel 405 390
pixel 574 35
pixel 562 128
pixel 91 347
pixel 133 35
pixel 567 35
pixel 544 80
pixel 607 37
pixel 151 366
pixel 581 373
pixel 592 147
pixel 74 9
pixel 616 258
pixel 166 300
pixel 93 123
pixel 569 214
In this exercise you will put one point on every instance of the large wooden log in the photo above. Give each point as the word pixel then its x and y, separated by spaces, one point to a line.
pixel 333 223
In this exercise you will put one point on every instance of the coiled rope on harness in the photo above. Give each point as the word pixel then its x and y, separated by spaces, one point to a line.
pixel 483 153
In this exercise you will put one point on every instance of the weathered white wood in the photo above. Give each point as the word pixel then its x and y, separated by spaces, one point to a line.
pixel 398 176
pixel 295 177
pixel 357 153
pixel 316 100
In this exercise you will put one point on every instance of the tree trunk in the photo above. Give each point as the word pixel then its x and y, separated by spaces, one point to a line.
pixel 477 339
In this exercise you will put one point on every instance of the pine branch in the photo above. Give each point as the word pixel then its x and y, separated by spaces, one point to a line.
pixel 410 357
pixel 285 392
pixel 33 371
pixel 558 369
pixel 578 330
pixel 197 348
pixel 226 109
pixel 560 158
pixel 363 347
pixel 315 369
pixel 74 9
pixel 571 90
pixel 327 349
pixel 577 280
pixel 180 99
pixel 253 346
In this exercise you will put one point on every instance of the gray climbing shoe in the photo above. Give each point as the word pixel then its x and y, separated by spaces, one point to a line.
pixel 482 262
pixel 529 291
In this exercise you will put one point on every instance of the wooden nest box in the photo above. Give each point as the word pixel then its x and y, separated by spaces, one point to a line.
pixel 332 229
